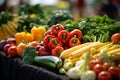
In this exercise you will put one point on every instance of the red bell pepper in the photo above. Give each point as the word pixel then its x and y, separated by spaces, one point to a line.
pixel 47 39
pixel 56 29
pixel 64 36
pixel 49 32
pixel 76 33
pixel 74 42
pixel 54 42
pixel 57 51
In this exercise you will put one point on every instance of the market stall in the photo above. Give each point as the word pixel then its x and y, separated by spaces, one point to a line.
pixel 50 44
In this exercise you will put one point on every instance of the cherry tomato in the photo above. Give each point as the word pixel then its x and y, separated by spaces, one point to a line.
pixel 12 51
pixel 97 68
pixel 92 63
pixel 6 47
pixel 115 38
pixel 114 71
pixel 106 66
pixel 104 75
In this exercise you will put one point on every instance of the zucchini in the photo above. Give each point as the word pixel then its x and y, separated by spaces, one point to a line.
pixel 48 61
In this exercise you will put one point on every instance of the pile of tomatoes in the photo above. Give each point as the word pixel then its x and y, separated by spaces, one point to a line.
pixel 104 71
pixel 10 48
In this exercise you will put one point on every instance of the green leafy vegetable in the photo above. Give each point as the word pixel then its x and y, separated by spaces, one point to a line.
pixel 29 54
pixel 58 16
pixel 98 28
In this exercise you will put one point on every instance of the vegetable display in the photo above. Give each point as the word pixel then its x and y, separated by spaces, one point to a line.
pixel 87 49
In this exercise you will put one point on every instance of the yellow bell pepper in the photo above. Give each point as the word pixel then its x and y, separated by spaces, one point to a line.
pixel 23 37
pixel 38 33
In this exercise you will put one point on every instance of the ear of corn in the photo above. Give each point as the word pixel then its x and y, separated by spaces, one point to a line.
pixel 85 49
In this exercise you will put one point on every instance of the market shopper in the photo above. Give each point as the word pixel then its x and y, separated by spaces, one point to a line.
pixel 117 4
pixel 108 8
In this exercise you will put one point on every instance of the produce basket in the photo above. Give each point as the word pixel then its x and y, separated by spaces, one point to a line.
pixel 14 69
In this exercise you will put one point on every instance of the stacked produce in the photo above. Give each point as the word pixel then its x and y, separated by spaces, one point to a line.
pixel 87 49
pixel 8 23
pixel 94 28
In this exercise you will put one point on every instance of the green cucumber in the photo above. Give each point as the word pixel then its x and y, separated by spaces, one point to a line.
pixel 48 61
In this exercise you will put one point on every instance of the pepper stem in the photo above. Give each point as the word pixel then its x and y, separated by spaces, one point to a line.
pixel 75 36
pixel 64 36
pixel 74 41
pixel 57 28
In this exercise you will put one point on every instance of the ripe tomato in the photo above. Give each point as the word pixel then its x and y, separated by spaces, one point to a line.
pixel 106 66
pixel 6 47
pixel 11 41
pixel 12 51
pixel 104 75
pixel 97 69
pixel 115 38
pixel 92 63
pixel 114 71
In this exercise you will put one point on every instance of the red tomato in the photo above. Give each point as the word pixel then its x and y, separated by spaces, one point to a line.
pixel 11 41
pixel 92 63
pixel 114 71
pixel 106 66
pixel 104 75
pixel 12 51
pixel 6 47
pixel 97 68
pixel 115 38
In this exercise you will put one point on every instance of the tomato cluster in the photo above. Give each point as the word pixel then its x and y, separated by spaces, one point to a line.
pixel 12 49
pixel 115 38
pixel 104 71
pixel 58 36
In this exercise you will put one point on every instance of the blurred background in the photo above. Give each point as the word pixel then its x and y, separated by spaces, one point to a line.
pixel 78 8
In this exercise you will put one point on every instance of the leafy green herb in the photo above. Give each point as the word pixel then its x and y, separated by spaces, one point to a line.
pixel 29 54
